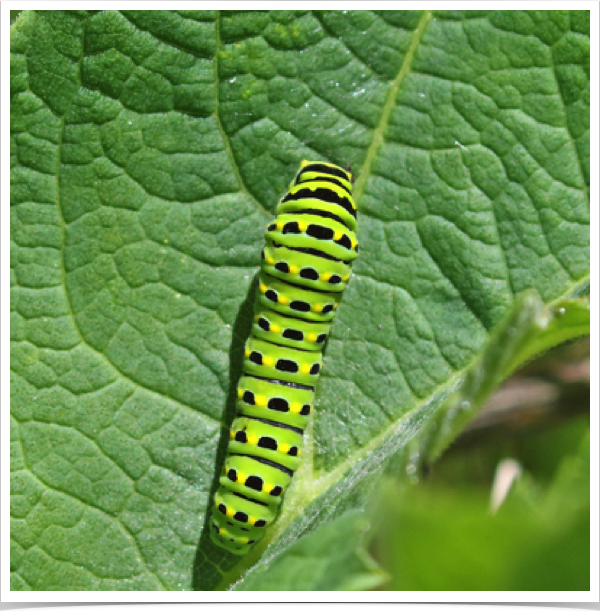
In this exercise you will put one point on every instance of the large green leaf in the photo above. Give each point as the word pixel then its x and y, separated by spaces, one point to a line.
pixel 149 149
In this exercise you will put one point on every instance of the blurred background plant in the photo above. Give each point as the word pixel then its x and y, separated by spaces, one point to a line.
pixel 506 507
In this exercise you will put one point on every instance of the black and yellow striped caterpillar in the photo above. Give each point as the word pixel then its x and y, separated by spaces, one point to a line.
pixel 306 265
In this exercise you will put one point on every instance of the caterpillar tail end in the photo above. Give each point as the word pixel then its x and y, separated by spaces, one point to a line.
pixel 227 546
pixel 227 535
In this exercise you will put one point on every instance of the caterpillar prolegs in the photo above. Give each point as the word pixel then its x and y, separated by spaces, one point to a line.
pixel 306 265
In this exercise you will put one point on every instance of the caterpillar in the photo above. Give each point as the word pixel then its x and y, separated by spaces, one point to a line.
pixel 306 264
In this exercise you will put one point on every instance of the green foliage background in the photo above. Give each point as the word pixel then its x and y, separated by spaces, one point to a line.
pixel 149 149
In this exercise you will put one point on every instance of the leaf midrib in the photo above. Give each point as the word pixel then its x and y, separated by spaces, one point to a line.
pixel 389 105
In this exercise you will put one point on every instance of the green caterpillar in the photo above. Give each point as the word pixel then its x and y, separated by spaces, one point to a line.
pixel 306 265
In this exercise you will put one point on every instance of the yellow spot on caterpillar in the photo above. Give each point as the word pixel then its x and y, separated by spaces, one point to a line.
pixel 335 306
pixel 267 488
pixel 241 478
pixel 284 448
pixel 216 502
pixel 318 307
pixel 337 236
pixel 263 288
pixel 240 393
pixel 304 163
pixel 299 451
pixel 353 243
pixel 294 269
pixel 229 512
pixel 325 277
pixel 260 400
pixel 275 328
pixel 232 434
pixel 253 439
pixel 251 520
pixel 256 318
pixel 295 408
pixel 346 278
pixel 270 261
pixel 305 368
pixel 247 352
pixel 280 225
pixel 302 226
pixel 244 539
pixel 311 337
pixel 268 361
pixel 282 299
